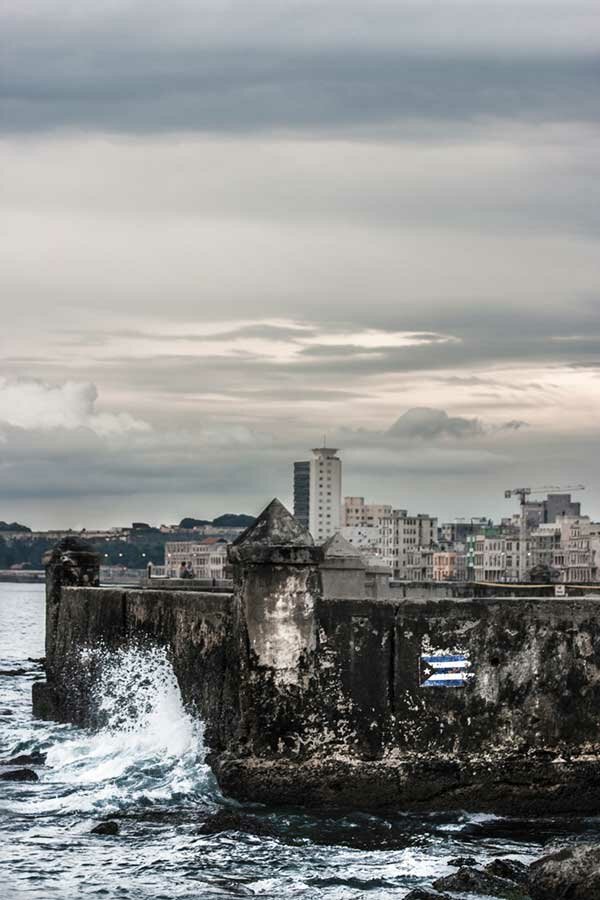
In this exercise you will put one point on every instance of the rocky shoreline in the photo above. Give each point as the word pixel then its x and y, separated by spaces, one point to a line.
pixel 569 874
pixel 572 873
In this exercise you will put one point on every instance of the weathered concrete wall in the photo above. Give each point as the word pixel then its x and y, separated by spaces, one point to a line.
pixel 439 590
pixel 195 628
pixel 522 736
pixel 318 699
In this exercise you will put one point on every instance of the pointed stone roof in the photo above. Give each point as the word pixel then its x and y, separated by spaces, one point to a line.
pixel 275 526
pixel 337 547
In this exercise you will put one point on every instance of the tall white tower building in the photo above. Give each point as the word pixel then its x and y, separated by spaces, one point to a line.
pixel 325 493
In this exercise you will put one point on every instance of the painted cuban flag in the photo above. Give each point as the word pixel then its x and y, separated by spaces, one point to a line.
pixel 445 670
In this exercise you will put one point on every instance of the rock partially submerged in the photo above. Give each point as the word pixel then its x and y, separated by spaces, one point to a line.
pixel 25 759
pixel 19 775
pixel 460 861
pixel 510 869
pixel 229 820
pixel 109 827
pixel 469 880
pixel 426 894
pixel 570 874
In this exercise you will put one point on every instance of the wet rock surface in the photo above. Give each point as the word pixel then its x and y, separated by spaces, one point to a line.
pixel 426 894
pixel 230 820
pixel 469 880
pixel 460 861
pixel 19 775
pixel 570 874
pixel 106 828
pixel 25 759
pixel 511 869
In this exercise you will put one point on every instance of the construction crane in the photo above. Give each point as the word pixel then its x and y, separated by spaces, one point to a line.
pixel 523 493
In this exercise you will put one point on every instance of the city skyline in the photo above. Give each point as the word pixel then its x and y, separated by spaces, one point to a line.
pixel 230 228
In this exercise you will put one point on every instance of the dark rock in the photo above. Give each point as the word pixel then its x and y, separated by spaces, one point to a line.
pixel 19 775
pixel 228 820
pixel 511 869
pixel 106 828
pixel 475 881
pixel 460 861
pixel 44 701
pixel 426 894
pixel 570 874
pixel 25 759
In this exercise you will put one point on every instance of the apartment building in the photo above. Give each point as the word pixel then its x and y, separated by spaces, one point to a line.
pixel 449 565
pixel 494 557
pixel 355 512
pixel 418 565
pixel 577 558
pixel 401 534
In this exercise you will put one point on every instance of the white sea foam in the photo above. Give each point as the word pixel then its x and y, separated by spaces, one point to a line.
pixel 149 748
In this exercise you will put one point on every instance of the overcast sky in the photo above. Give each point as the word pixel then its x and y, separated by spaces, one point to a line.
pixel 232 228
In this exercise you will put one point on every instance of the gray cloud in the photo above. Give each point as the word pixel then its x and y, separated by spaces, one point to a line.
pixel 427 424
pixel 254 91
pixel 240 67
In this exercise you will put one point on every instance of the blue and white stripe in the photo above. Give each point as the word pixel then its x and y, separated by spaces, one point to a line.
pixel 444 670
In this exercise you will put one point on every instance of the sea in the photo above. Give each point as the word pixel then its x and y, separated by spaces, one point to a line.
pixel 145 769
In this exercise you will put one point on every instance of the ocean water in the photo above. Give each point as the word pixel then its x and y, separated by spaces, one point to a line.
pixel 146 770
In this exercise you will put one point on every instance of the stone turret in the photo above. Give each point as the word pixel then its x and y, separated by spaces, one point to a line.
pixel 276 585
pixel 275 537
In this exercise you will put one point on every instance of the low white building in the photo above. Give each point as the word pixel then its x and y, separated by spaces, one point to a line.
pixel 206 559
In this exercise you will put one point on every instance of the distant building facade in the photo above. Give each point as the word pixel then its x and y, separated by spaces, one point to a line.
pixel 459 530
pixel 207 559
pixel 355 512
pixel 402 534
pixel 366 538
pixel 325 493
pixel 302 492
pixel 449 565
pixel 553 508
pixel 418 565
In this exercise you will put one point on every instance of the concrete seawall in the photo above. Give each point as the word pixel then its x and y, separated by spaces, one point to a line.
pixel 313 694
pixel 195 628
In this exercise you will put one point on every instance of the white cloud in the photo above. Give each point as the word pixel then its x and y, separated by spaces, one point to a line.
pixel 31 404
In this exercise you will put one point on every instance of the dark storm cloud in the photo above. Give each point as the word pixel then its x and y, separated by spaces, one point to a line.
pixel 246 67
pixel 249 92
